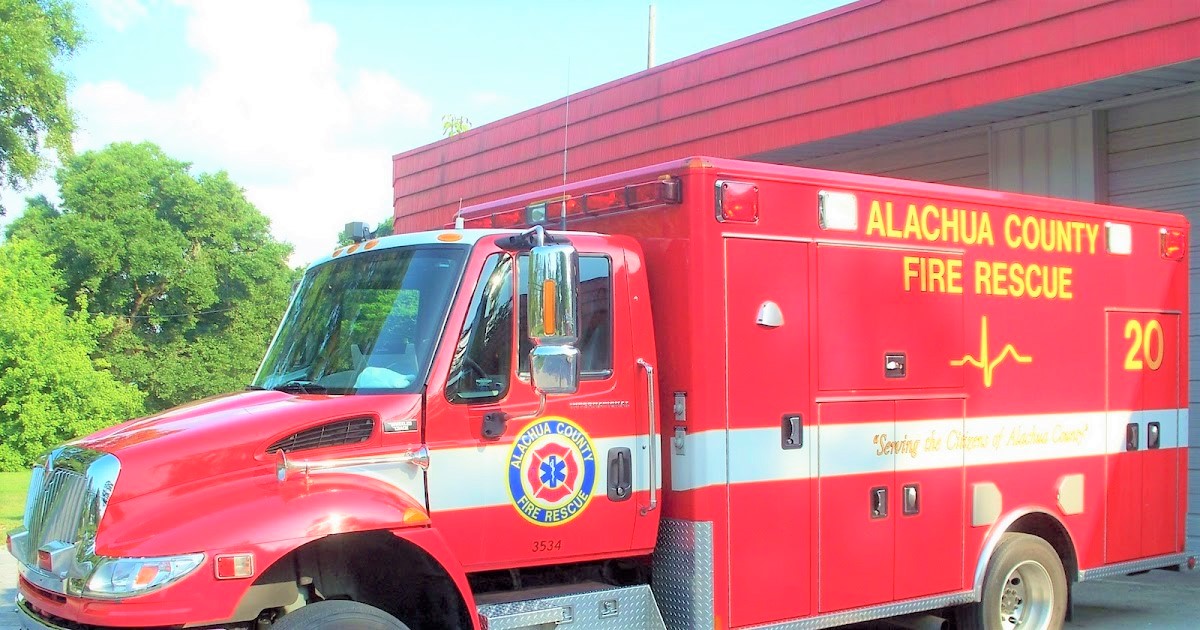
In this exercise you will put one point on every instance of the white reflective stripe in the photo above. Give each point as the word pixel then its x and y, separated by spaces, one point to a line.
pixel 1173 426
pixel 719 457
pixel 702 462
pixel 475 477
pixel 758 455
pixel 404 476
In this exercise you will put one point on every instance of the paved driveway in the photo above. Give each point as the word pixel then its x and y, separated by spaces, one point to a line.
pixel 1159 599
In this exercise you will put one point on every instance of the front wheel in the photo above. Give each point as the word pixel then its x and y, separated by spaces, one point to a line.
pixel 1025 588
pixel 336 613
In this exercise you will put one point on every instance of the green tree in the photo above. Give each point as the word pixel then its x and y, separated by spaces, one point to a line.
pixel 184 262
pixel 453 125
pixel 51 390
pixel 33 95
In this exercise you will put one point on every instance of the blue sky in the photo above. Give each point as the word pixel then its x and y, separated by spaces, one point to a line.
pixel 304 102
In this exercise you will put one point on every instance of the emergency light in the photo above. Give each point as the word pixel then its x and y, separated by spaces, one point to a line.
pixel 837 210
pixel 665 190
pixel 737 202
pixel 1172 244
pixel 1118 238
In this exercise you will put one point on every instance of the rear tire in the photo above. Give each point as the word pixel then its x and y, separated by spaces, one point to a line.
pixel 1025 588
pixel 337 613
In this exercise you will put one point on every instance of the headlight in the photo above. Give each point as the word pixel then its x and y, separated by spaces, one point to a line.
pixel 123 577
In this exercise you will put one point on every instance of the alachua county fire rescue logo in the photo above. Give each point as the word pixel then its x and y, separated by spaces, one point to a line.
pixel 551 471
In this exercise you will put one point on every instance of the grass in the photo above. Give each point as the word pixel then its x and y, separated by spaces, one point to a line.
pixel 13 486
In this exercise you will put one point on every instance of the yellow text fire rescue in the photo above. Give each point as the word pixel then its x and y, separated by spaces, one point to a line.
pixel 930 223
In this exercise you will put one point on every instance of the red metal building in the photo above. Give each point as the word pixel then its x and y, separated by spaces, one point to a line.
pixel 1088 99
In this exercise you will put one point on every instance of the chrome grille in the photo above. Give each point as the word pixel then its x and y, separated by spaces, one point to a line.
pixel 57 509
pixel 68 495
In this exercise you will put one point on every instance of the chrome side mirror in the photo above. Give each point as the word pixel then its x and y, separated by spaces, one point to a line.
pixel 553 313
pixel 554 369
pixel 553 294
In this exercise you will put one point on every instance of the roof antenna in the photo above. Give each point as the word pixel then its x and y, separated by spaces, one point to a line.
pixel 566 124
pixel 458 218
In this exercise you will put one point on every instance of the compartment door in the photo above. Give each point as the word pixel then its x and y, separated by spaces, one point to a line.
pixel 768 378
pixel 1144 394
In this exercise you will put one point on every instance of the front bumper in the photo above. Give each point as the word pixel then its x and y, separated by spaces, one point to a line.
pixel 205 600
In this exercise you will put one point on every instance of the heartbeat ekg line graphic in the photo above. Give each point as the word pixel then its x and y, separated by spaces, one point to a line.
pixel 984 362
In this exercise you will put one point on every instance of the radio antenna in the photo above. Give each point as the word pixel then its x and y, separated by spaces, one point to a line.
pixel 566 143
pixel 458 218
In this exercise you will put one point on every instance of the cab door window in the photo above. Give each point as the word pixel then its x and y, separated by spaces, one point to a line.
pixel 483 357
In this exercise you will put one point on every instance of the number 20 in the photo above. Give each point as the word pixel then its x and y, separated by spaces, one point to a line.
pixel 1147 342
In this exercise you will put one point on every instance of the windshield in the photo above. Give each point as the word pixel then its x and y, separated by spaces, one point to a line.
pixel 367 323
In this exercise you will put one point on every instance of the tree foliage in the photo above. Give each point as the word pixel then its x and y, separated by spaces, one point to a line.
pixel 453 125
pixel 33 95
pixel 184 262
pixel 51 390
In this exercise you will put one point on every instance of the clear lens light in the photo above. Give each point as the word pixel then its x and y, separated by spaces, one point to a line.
pixel 122 577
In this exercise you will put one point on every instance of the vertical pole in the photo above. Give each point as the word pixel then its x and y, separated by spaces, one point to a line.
pixel 650 41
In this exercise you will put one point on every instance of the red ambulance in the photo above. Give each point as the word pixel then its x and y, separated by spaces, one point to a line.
pixel 701 394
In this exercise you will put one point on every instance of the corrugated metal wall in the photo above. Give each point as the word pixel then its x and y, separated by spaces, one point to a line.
pixel 955 158
pixel 1154 162
pixel 863 66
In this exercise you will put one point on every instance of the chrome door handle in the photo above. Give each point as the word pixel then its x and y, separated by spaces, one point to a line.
pixel 651 470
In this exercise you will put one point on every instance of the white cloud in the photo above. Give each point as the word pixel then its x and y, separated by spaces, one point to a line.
pixel 119 14
pixel 310 141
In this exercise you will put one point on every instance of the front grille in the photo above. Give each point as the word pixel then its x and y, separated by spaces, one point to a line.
pixel 68 495
pixel 56 512
pixel 338 433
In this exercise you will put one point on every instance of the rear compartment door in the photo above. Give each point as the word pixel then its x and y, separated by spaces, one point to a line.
pixel 768 383
pixel 1144 435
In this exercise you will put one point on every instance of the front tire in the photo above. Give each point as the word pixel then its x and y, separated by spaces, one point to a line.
pixel 1025 588
pixel 337 613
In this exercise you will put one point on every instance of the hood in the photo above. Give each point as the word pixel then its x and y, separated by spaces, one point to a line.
pixel 224 434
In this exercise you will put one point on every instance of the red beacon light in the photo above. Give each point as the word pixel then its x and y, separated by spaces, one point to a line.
pixel 1172 243
pixel 737 202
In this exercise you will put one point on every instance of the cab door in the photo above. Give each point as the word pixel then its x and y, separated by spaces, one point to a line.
pixel 509 486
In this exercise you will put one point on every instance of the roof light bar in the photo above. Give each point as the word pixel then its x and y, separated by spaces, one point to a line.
pixel 665 190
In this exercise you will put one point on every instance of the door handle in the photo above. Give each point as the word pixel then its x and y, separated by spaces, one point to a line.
pixel 879 502
pixel 1153 435
pixel 912 499
pixel 620 474
pixel 652 460
pixel 1131 436
pixel 793 431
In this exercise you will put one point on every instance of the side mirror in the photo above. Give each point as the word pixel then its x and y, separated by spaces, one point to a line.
pixel 553 294
pixel 554 369
pixel 553 313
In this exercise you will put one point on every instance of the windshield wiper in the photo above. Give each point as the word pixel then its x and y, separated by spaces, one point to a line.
pixel 255 388
pixel 301 387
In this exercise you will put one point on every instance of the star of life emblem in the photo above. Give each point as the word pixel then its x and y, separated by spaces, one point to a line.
pixel 551 471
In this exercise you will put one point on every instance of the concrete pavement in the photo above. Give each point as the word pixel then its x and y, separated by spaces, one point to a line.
pixel 1159 599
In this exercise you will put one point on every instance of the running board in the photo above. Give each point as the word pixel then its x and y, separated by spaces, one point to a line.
pixel 599 607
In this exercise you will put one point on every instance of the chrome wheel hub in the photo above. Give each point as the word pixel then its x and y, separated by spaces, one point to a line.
pixel 1027 601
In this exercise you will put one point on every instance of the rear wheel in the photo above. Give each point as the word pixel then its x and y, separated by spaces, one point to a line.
pixel 1025 588
pixel 337 613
